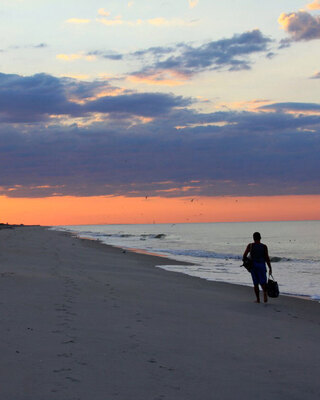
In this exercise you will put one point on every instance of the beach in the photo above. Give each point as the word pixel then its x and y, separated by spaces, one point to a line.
pixel 82 320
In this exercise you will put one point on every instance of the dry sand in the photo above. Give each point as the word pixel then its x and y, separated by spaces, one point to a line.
pixel 81 320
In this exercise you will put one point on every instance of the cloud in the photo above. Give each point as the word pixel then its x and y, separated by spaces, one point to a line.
pixel 142 104
pixel 75 56
pixel 161 78
pixel 156 51
pixel 169 22
pixel 36 98
pixel 106 19
pixel 103 12
pixel 250 105
pixel 301 26
pixel 315 5
pixel 148 143
pixel 115 21
pixel 27 46
pixel 78 21
pixel 135 160
pixel 284 43
pixel 193 3
pixel 316 75
pixel 111 22
pixel 231 54
pixel 80 77
pixel 31 98
pixel 293 107
pixel 175 64
pixel 157 22
pixel 39 46
pixel 107 55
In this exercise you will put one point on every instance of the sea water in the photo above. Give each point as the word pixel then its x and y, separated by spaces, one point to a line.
pixel 216 249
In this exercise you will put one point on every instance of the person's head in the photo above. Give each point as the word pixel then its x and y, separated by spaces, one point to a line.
pixel 256 237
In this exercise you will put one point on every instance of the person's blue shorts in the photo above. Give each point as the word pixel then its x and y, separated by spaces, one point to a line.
pixel 259 273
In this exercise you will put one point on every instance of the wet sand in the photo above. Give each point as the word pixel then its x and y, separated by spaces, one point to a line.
pixel 84 321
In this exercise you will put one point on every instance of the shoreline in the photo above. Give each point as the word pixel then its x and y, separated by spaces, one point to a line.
pixel 140 251
pixel 173 261
pixel 84 320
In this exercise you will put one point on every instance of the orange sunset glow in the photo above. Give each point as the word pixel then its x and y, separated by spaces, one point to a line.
pixel 120 210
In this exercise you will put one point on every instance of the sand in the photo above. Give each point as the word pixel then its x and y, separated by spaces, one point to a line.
pixel 82 320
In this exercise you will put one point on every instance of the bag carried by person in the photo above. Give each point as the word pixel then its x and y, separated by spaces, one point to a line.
pixel 272 287
pixel 248 264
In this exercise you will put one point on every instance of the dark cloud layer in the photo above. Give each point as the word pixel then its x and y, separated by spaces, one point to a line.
pixel 31 98
pixel 35 98
pixel 249 159
pixel 142 104
pixel 274 150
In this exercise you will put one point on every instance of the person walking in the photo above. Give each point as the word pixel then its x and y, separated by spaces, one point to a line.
pixel 260 257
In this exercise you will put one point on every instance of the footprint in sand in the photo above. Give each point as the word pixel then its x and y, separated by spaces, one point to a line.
pixel 68 342
pixel 71 313
pixel 167 368
pixel 65 355
pixel 62 370
pixel 63 324
pixel 6 274
pixel 82 363
pixel 75 380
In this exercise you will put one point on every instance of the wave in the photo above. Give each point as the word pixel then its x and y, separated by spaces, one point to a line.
pixel 278 259
pixel 152 236
pixel 211 254
pixel 118 235
pixel 199 254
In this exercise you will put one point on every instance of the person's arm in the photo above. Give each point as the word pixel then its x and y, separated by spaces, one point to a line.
pixel 268 259
pixel 247 251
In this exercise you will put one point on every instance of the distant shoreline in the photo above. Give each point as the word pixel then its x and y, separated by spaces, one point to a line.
pixel 11 226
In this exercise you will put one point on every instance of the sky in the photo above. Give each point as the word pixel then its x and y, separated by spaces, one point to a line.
pixel 149 111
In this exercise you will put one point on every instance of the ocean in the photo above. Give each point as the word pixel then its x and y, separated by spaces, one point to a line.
pixel 216 249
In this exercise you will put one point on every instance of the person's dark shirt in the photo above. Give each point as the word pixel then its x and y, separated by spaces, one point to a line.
pixel 258 252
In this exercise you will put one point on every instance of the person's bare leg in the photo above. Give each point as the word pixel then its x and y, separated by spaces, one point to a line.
pixel 265 295
pixel 256 291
